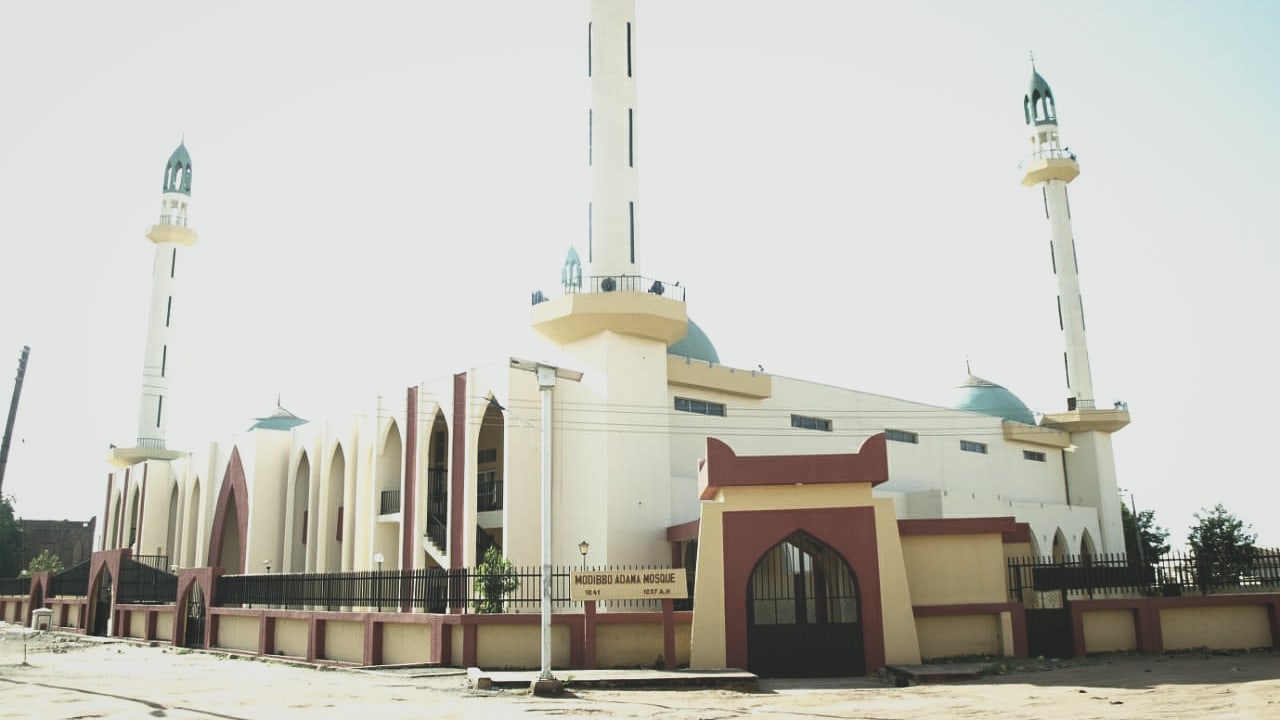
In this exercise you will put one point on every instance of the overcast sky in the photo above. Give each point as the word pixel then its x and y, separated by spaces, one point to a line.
pixel 379 186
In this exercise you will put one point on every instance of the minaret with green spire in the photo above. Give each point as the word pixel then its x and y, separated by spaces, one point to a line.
pixel 172 236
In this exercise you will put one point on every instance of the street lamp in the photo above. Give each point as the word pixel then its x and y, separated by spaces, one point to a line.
pixel 377 580
pixel 584 547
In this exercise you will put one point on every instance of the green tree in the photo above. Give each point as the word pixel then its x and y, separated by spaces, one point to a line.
pixel 495 577
pixel 1154 539
pixel 45 562
pixel 1223 546
pixel 10 540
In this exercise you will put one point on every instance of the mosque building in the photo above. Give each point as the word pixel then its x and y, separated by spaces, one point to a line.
pixel 629 395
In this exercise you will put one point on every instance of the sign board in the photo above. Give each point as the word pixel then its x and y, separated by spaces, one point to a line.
pixel 653 584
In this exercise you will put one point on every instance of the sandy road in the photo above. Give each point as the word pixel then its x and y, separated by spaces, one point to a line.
pixel 67 678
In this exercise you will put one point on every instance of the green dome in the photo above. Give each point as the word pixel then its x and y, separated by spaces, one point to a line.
pixel 983 396
pixel 177 172
pixel 281 419
pixel 696 346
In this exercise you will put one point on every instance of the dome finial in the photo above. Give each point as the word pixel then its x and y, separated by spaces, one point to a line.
pixel 1032 54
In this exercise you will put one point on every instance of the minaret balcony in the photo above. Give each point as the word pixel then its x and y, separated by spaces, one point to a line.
pixel 625 304
pixel 1049 164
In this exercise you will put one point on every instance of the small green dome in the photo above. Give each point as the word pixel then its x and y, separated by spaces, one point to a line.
pixel 983 396
pixel 1038 104
pixel 696 346
pixel 281 419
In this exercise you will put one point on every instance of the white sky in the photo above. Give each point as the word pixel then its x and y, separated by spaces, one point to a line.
pixel 379 186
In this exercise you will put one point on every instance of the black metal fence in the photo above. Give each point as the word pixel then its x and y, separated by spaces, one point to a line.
pixel 15 586
pixel 142 584
pixel 433 590
pixel 72 582
pixel 1171 575
pixel 157 562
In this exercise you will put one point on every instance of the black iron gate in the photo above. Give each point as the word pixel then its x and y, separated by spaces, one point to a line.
pixel 193 619
pixel 803 612
pixel 1049 633
pixel 102 604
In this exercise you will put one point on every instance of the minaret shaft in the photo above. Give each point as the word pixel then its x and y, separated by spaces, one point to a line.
pixel 612 152
pixel 1070 302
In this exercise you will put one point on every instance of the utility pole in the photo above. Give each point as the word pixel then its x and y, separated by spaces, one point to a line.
pixel 13 412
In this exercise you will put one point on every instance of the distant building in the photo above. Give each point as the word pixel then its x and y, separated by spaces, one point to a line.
pixel 70 540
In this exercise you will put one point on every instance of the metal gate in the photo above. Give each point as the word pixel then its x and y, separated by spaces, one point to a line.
pixel 1049 633
pixel 193 623
pixel 803 612
pixel 102 604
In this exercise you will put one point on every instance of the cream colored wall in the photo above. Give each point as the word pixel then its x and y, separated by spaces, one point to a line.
pixel 951 636
pixel 291 637
pixel 901 643
pixel 1109 631
pixel 955 569
pixel 406 643
pixel 706 636
pixel 519 646
pixel 1222 627
pixel 628 645
pixel 153 530
pixel 344 641
pixel 73 616
pixel 164 626
pixel 268 484
pixel 238 632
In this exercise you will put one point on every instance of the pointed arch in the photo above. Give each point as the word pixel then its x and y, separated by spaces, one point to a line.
pixel 191 524
pixel 231 519
pixel 172 537
pixel 1088 548
pixel 131 515
pixel 334 489
pixel 1060 547
pixel 389 481
pixel 301 515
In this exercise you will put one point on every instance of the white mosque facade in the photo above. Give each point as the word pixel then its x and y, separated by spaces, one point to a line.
pixel 432 475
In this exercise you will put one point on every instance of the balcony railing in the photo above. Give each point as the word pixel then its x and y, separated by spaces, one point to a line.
pixel 173 220
pixel 1047 154
pixel 389 502
pixel 619 283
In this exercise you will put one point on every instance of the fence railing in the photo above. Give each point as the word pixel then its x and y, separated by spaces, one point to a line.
pixel 1171 575
pixel 72 582
pixel 15 586
pixel 141 584
pixel 433 590
pixel 156 562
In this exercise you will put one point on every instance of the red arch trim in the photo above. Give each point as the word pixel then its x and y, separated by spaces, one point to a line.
pixel 234 489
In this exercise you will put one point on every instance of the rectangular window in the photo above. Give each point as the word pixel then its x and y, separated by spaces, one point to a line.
pixel 590 230
pixel 588 49
pixel 591 128
pixel 168 311
pixel 902 436
pixel 1080 299
pixel 159 408
pixel 631 137
pixel 810 423
pixel 173 262
pixel 488 491
pixel 1066 369
pixel 1052 258
pixel 338 535
pixel 1060 325
pixel 164 359
pixel 1044 194
pixel 304 527
pixel 628 49
pixel 1033 455
pixel 1066 197
pixel 700 407
pixel 1074 260
pixel 631 206
pixel 973 447
pixel 487 456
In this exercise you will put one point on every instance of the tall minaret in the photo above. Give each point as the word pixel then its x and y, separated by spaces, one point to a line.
pixel 171 236
pixel 1088 462
pixel 1051 167
pixel 611 152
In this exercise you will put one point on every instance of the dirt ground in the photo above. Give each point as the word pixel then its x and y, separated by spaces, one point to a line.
pixel 67 677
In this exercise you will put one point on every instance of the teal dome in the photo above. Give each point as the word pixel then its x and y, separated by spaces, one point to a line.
pixel 696 346
pixel 281 419
pixel 983 396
